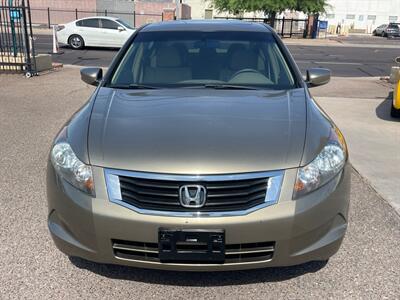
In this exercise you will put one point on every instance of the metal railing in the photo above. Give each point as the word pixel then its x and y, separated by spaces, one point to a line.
pixel 16 41
pixel 285 27
pixel 49 16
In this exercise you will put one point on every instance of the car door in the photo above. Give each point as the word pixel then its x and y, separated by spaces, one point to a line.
pixel 90 31
pixel 129 30
pixel 114 34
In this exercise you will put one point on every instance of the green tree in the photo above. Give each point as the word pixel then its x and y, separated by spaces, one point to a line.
pixel 271 7
pixel 311 6
pixel 237 6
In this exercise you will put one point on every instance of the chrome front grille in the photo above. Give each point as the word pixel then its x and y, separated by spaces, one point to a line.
pixel 234 253
pixel 221 195
pixel 227 195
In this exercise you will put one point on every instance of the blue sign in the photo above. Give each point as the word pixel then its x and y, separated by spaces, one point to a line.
pixel 323 24
pixel 15 14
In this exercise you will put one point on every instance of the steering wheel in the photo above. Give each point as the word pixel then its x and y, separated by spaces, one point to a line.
pixel 245 71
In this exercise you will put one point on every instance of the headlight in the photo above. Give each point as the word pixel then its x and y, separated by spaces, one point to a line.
pixel 324 167
pixel 71 168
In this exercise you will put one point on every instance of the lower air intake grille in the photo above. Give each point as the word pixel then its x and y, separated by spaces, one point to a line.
pixel 234 253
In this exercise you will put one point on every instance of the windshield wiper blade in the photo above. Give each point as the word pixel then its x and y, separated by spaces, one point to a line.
pixel 134 87
pixel 229 87
pixel 142 86
pixel 208 86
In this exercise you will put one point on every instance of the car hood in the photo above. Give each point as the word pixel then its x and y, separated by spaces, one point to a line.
pixel 197 131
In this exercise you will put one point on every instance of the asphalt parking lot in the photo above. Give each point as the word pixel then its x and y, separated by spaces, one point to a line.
pixel 31 113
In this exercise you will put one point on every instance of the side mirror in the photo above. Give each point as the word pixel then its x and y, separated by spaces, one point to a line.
pixel 92 76
pixel 318 76
pixel 120 28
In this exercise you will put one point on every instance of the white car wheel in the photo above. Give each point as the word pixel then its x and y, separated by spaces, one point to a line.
pixel 76 42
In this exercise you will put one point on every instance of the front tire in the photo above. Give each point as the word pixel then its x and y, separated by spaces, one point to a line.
pixel 76 42
pixel 394 112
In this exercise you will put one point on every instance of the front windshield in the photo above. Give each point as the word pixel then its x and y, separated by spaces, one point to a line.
pixel 193 58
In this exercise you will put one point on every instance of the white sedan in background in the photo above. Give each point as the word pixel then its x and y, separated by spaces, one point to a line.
pixel 96 32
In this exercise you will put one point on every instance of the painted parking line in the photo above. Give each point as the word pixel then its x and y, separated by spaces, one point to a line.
pixel 46 44
pixel 338 63
pixel 328 63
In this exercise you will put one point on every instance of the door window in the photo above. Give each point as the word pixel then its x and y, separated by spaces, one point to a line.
pixel 92 23
pixel 108 24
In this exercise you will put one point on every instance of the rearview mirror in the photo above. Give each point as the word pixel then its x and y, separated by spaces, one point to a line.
pixel 318 76
pixel 92 76
pixel 120 28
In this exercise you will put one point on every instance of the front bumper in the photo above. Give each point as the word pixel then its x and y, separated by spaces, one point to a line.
pixel 308 229
pixel 393 34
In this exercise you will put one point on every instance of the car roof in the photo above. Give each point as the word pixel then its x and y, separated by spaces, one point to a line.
pixel 98 17
pixel 207 25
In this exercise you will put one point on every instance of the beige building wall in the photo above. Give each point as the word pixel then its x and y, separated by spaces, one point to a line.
pixel 363 15
pixel 199 8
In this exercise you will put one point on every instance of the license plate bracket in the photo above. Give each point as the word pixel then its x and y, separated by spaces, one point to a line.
pixel 191 245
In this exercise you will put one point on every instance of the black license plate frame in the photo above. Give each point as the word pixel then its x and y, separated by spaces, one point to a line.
pixel 197 246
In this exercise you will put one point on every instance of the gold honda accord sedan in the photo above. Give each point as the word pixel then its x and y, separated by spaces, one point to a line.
pixel 200 150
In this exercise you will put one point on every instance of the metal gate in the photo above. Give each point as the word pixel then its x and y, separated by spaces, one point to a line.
pixel 285 27
pixel 16 41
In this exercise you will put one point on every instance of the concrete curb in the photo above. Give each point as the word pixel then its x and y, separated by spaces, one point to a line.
pixel 342 45
pixel 69 66
pixel 379 134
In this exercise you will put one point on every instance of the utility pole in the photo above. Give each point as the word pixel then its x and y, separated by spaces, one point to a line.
pixel 178 9
pixel 134 14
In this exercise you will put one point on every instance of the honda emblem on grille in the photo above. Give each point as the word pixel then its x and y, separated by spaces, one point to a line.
pixel 192 196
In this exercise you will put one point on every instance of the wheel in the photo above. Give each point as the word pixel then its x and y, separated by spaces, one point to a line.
pixel 28 74
pixel 76 42
pixel 394 112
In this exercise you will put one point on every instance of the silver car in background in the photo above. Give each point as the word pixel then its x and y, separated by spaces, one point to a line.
pixel 387 30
